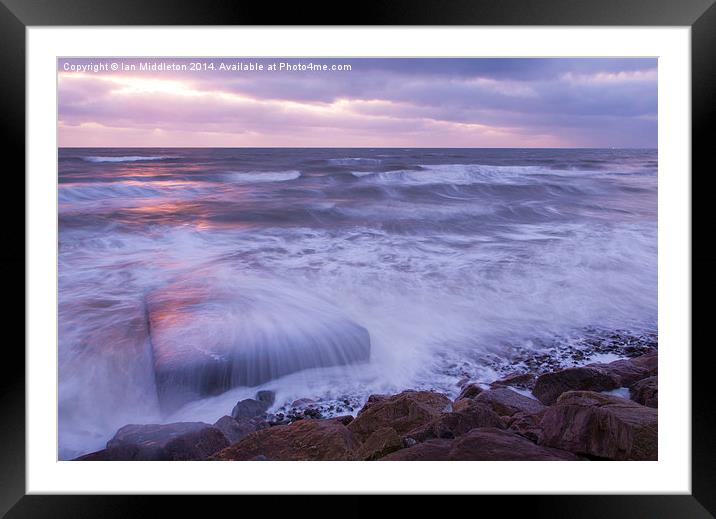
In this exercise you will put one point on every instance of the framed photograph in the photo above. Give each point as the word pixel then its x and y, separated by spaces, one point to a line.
pixel 444 250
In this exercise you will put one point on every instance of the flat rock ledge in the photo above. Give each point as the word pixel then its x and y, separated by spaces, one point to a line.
pixel 573 414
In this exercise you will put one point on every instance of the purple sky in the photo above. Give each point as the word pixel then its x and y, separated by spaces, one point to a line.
pixel 481 102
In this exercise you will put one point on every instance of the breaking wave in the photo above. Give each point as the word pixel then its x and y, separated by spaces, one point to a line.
pixel 127 158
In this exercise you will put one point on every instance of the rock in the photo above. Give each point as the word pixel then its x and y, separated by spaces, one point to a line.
pixel 303 440
pixel 449 425
pixel 469 391
pixel 527 425
pixel 106 371
pixel 249 408
pixel 381 443
pixel 549 386
pixel 646 392
pixel 629 371
pixel 520 380
pixel 266 396
pixel 101 455
pixel 234 429
pixel 482 444
pixel 211 331
pixel 302 402
pixel 491 444
pixel 312 413
pixel 431 450
pixel 344 419
pixel 601 426
pixel 175 441
pixel 403 412
pixel 506 402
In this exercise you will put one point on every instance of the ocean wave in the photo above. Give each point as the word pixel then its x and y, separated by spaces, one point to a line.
pixel 462 174
pixel 263 176
pixel 353 161
pixel 94 192
pixel 127 158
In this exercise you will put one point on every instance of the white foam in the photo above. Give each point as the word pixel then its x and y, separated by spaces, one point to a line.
pixel 251 177
pixel 127 158
pixel 352 161
pixel 465 174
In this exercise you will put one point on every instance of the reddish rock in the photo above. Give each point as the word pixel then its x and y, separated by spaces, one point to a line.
pixel 471 415
pixel 303 440
pixel 601 426
pixel 646 392
pixel 403 412
pixel 343 419
pixel 469 391
pixel 521 380
pixel 381 443
pixel 549 386
pixel 431 450
pixel 483 444
pixel 506 402
pixel 490 444
pixel 630 371
pixel 527 425
pixel 176 441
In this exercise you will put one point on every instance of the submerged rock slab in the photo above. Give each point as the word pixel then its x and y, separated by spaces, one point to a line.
pixel 210 333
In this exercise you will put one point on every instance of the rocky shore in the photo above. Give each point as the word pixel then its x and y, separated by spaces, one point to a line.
pixel 598 411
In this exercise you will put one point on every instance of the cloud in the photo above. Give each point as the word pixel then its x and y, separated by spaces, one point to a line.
pixel 379 102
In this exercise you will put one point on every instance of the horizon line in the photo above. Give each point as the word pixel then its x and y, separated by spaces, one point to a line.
pixel 365 147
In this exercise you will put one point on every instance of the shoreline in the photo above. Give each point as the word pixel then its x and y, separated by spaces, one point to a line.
pixel 586 411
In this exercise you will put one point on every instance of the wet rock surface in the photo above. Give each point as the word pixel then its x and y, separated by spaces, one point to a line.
pixel 601 426
pixel 303 440
pixel 482 444
pixel 403 412
pixel 646 392
pixel 506 402
pixel 550 386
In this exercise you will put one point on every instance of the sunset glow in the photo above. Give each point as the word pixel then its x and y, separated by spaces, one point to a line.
pixel 377 103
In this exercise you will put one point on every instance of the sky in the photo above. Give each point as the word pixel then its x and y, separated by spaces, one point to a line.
pixel 358 102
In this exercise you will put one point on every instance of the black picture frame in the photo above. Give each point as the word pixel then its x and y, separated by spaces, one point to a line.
pixel 700 15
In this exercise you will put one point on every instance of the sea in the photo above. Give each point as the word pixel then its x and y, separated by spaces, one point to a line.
pixel 455 261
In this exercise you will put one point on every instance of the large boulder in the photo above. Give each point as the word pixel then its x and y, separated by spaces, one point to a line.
pixel 550 385
pixel 211 332
pixel 482 444
pixel 106 375
pixel 402 412
pixel 304 440
pixel 601 426
pixel 506 402
pixel 471 415
pixel 168 442
pixel 646 392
